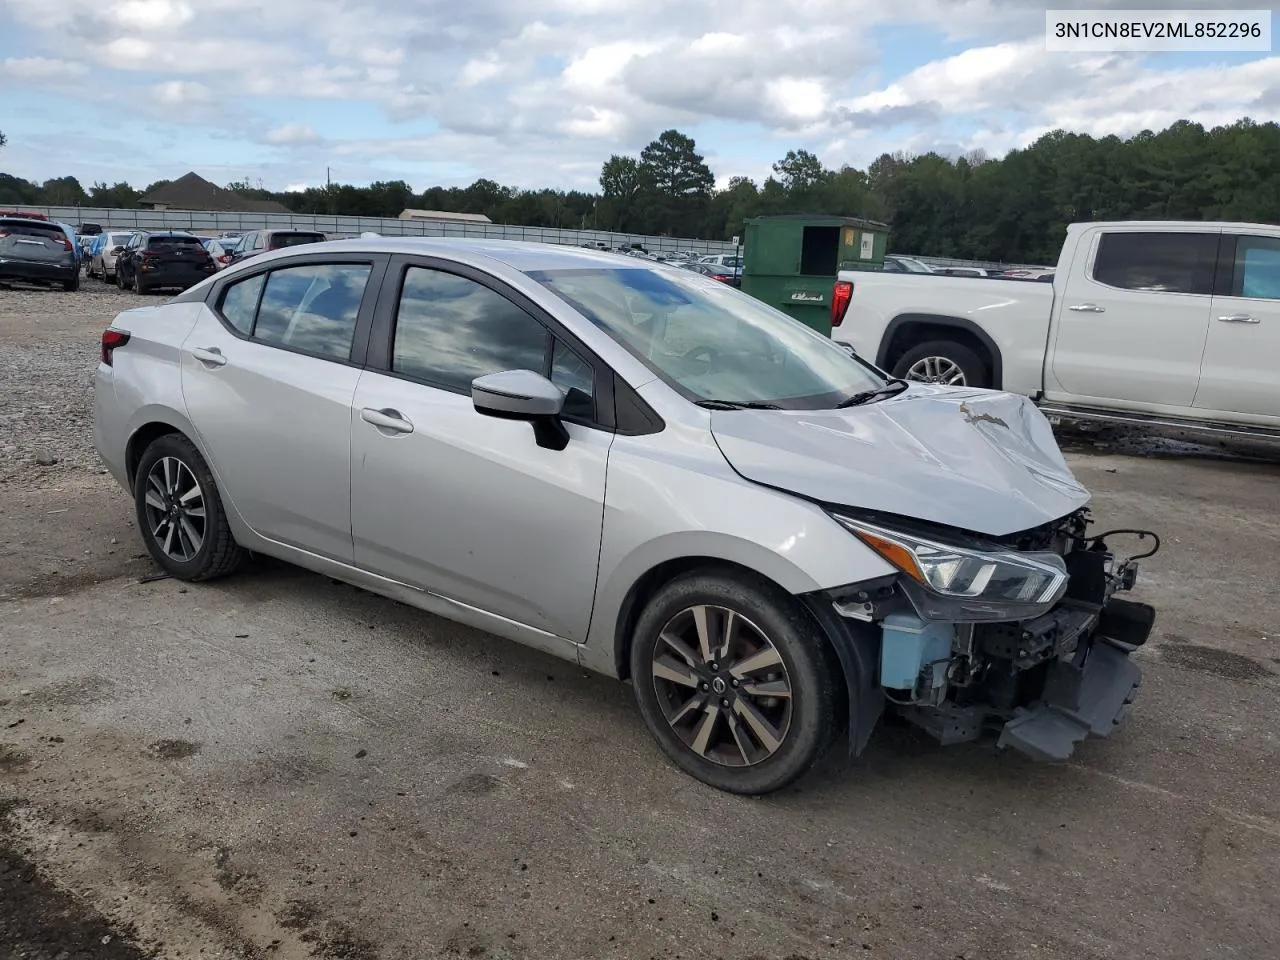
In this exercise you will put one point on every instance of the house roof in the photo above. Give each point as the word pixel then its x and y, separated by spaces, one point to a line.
pixel 193 192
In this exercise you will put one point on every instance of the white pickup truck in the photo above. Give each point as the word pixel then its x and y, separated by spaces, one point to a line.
pixel 1162 323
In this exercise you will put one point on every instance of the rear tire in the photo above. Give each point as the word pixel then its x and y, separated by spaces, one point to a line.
pixel 792 688
pixel 138 286
pixel 180 513
pixel 939 361
pixel 120 280
pixel 72 285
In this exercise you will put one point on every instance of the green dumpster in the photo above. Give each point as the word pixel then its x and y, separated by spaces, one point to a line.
pixel 790 262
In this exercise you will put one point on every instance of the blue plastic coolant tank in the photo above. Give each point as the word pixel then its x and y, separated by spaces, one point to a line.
pixel 908 645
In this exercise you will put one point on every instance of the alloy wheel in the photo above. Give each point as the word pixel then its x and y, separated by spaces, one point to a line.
pixel 937 370
pixel 175 509
pixel 722 686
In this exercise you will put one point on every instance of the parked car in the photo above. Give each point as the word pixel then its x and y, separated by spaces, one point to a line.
pixel 1168 324
pixel 893 263
pixel 106 248
pixel 264 241
pixel 638 470
pixel 35 250
pixel 716 271
pixel 723 260
pixel 221 249
pixel 152 260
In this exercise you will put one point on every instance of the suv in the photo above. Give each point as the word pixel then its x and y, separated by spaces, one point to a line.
pixel 34 250
pixel 264 241
pixel 157 259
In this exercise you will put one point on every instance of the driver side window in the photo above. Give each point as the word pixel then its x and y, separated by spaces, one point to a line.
pixel 451 329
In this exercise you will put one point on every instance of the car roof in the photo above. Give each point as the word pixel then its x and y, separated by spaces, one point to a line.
pixel 521 255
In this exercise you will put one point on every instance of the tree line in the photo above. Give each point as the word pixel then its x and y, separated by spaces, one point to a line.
pixel 1011 209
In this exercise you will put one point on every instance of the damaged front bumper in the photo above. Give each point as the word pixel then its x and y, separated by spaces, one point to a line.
pixel 1061 678
pixel 1039 686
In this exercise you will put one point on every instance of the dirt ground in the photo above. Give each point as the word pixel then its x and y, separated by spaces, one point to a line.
pixel 277 765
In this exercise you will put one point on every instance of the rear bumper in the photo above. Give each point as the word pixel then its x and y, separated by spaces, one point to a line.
pixel 38 271
pixel 173 276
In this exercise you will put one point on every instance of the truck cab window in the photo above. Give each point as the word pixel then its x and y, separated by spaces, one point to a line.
pixel 1157 262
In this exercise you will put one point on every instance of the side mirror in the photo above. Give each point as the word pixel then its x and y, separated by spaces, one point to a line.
pixel 117 249
pixel 523 395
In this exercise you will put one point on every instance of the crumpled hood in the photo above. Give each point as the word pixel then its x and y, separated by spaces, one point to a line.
pixel 981 460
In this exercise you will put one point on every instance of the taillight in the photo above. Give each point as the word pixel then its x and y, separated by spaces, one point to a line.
pixel 110 340
pixel 723 278
pixel 3 232
pixel 841 294
pixel 66 243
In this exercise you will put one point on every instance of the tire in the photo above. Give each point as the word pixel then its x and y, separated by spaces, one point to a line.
pixel 120 279
pixel 138 286
pixel 217 553
pixel 972 367
pixel 808 668
pixel 72 285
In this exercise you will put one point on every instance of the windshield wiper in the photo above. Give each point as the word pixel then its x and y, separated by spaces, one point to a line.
pixel 737 405
pixel 891 388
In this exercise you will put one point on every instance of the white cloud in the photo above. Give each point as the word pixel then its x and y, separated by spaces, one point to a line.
pixel 177 93
pixel 41 68
pixel 292 134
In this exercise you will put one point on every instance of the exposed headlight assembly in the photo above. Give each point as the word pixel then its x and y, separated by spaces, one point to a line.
pixel 949 582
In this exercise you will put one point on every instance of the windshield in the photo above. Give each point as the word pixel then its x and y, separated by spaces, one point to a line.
pixel 710 342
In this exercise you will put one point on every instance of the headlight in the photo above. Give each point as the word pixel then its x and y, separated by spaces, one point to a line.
pixel 947 582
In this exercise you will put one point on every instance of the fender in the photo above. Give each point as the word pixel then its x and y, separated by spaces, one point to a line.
pixel 857 645
pixel 937 320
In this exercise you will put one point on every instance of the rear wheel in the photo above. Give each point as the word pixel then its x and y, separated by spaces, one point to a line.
pixel 138 285
pixel 180 513
pixel 73 284
pixel 734 681
pixel 944 362
pixel 120 279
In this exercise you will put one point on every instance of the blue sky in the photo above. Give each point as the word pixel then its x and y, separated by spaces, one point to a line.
pixel 540 92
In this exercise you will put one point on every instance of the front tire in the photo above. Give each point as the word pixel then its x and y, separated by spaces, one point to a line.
pixel 735 681
pixel 180 513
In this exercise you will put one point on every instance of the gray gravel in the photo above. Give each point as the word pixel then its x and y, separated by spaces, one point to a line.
pixel 50 350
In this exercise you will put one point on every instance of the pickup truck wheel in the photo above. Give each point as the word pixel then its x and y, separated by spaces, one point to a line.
pixel 943 361
pixel 733 681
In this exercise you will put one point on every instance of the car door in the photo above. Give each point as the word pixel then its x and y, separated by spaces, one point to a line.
pixel 1133 318
pixel 268 375
pixel 464 505
pixel 1240 376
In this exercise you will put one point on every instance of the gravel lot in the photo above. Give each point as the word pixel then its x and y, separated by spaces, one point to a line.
pixel 280 766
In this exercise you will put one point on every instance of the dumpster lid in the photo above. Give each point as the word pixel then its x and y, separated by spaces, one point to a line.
pixel 822 219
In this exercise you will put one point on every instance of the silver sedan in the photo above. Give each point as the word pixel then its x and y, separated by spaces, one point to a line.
pixel 624 464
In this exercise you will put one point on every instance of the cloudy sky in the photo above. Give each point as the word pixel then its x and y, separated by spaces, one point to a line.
pixel 539 92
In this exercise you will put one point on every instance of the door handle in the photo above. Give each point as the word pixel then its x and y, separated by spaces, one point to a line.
pixel 210 356
pixel 386 419
pixel 1087 308
pixel 1239 318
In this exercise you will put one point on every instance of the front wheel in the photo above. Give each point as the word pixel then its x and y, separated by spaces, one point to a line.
pixel 180 513
pixel 734 681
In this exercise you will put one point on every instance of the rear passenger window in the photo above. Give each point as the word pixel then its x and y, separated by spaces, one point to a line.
pixel 1257 273
pixel 1157 262
pixel 312 308
pixel 240 303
